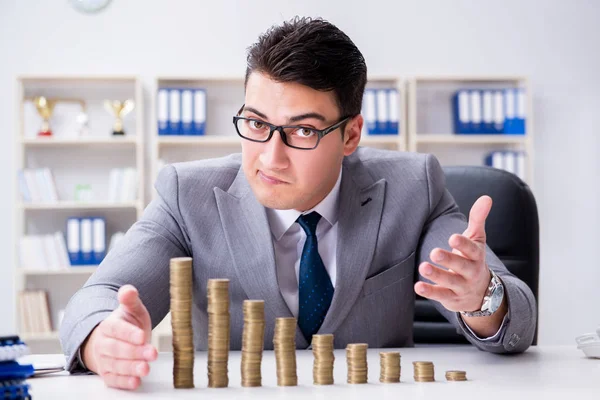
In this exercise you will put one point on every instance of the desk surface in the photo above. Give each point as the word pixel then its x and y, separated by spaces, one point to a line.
pixel 552 372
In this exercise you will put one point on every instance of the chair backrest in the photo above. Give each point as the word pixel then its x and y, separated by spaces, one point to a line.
pixel 512 231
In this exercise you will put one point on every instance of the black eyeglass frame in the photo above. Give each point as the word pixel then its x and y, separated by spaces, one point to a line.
pixel 280 128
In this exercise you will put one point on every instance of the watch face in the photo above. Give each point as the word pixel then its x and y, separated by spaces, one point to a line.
pixel 496 298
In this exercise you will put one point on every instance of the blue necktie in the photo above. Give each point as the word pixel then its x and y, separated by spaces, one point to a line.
pixel 314 286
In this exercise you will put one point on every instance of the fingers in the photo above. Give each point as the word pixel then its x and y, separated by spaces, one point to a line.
pixel 122 330
pixel 438 293
pixel 460 263
pixel 477 216
pixel 124 367
pixel 116 348
pixel 121 381
pixel 441 277
pixel 129 299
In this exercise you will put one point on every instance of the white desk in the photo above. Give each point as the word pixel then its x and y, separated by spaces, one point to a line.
pixel 540 373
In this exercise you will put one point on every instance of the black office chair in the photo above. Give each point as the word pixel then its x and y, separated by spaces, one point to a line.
pixel 512 230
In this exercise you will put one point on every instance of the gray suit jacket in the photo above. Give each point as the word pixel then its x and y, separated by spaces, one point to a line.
pixel 394 209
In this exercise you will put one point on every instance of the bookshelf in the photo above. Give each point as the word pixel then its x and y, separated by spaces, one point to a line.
pixel 430 126
pixel 73 157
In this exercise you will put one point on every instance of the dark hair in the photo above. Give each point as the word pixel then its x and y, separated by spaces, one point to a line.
pixel 314 53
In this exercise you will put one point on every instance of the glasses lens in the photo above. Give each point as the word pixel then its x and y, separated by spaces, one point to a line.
pixel 253 130
pixel 301 137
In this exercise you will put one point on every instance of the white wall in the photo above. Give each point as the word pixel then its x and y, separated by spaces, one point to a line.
pixel 556 43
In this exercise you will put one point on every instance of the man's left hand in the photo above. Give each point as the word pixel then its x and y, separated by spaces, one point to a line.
pixel 462 286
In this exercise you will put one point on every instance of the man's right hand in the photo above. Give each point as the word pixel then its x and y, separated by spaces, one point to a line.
pixel 119 348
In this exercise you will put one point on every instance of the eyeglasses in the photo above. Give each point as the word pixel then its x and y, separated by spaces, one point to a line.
pixel 297 137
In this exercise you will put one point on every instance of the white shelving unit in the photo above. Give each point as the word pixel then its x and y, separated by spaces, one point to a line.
pixel 430 127
pixel 73 159
pixel 389 142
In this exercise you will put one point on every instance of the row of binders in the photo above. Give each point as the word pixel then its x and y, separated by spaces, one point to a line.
pixel 13 375
pixel 485 111
pixel 86 240
pixel 381 111
pixel 181 111
pixel 37 185
pixel 511 161
pixel 43 252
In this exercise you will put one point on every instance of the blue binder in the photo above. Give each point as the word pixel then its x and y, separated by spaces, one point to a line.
pixel 98 240
pixel 162 111
pixel 498 112
pixel 394 111
pixel 187 112
pixel 383 119
pixel 74 241
pixel 510 110
pixel 199 114
pixel 174 111
pixel 461 112
pixel 86 234
pixel 520 114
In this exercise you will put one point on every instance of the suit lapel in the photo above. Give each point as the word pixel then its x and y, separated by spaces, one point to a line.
pixel 360 209
pixel 248 236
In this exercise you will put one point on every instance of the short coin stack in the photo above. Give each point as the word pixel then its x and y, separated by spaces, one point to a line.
pixel 356 357
pixel 181 322
pixel 390 367
pixel 423 371
pixel 218 332
pixel 253 338
pixel 284 342
pixel 456 376
pixel 322 347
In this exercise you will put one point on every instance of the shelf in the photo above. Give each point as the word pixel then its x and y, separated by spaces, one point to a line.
pixel 88 141
pixel 213 140
pixel 471 139
pixel 30 337
pixel 87 270
pixel 380 139
pixel 72 205
pixel 470 78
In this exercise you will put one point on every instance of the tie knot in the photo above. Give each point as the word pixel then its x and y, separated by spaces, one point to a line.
pixel 309 222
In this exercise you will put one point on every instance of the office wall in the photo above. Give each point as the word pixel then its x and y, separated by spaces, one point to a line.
pixel 554 42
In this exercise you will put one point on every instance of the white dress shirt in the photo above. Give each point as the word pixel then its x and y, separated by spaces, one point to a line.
pixel 289 238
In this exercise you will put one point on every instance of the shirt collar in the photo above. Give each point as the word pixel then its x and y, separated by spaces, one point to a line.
pixel 282 220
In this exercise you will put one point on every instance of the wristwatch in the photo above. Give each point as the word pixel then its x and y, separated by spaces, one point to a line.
pixel 491 300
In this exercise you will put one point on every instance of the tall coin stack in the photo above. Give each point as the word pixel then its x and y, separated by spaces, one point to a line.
pixel 322 346
pixel 356 357
pixel 218 332
pixel 253 338
pixel 181 322
pixel 423 371
pixel 390 367
pixel 456 375
pixel 284 342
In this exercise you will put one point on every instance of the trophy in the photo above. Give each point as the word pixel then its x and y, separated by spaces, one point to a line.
pixel 44 107
pixel 118 109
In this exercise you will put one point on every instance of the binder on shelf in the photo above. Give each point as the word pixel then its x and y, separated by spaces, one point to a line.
pixel 476 117
pixel 394 111
pixel 509 111
pixel 99 240
pixel 461 112
pixel 511 161
pixel 162 111
pixel 74 241
pixel 498 112
pixel 520 115
pixel 187 112
pixel 488 112
pixel 85 226
pixel 174 112
pixel 369 110
pixel 199 112
pixel 383 120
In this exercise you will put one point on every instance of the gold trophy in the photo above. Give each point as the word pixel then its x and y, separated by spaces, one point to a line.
pixel 44 108
pixel 119 109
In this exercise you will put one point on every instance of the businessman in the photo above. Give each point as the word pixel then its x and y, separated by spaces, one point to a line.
pixel 304 219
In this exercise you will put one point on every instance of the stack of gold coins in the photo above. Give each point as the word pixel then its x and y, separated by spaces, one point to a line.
pixel 456 375
pixel 356 357
pixel 424 371
pixel 181 322
pixel 218 332
pixel 253 338
pixel 322 346
pixel 390 367
pixel 284 342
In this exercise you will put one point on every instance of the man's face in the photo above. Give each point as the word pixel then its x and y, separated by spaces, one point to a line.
pixel 282 177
